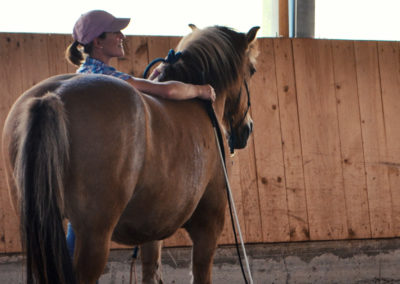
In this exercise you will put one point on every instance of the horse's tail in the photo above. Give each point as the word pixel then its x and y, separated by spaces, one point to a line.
pixel 39 172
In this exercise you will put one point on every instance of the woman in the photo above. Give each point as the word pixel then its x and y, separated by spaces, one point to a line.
pixel 99 34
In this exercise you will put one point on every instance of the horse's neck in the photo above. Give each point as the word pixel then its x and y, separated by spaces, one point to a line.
pixel 219 107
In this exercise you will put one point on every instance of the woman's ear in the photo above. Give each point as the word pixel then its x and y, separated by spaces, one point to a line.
pixel 97 43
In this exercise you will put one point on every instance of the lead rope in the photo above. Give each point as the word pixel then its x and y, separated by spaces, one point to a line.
pixel 172 57
pixel 133 265
pixel 231 202
pixel 133 271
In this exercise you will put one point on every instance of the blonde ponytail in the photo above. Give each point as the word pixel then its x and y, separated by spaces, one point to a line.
pixel 73 54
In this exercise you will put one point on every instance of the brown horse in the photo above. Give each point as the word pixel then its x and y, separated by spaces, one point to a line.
pixel 125 166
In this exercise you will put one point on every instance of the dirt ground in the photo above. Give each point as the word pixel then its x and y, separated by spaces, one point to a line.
pixel 360 261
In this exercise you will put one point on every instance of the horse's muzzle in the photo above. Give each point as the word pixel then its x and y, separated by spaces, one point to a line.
pixel 239 140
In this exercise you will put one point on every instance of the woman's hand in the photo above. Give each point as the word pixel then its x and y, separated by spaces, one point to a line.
pixel 206 92
pixel 156 72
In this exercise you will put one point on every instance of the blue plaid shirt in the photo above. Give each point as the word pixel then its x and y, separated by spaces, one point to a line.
pixel 94 66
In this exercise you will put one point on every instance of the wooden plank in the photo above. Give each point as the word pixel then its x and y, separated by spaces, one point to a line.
pixel 34 52
pixel 136 56
pixel 227 236
pixel 251 224
pixel 268 147
pixel 389 66
pixel 174 41
pixel 353 165
pixel 158 47
pixel 233 167
pixel 293 162
pixel 179 239
pixel 320 139
pixel 283 18
pixel 11 73
pixel 57 64
pixel 373 131
pixel 239 160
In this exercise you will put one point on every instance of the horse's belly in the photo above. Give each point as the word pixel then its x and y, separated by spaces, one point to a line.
pixel 128 234
pixel 148 218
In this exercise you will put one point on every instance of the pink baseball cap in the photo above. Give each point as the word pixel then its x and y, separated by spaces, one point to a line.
pixel 93 23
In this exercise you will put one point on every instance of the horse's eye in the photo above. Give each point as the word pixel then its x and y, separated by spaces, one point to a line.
pixel 252 70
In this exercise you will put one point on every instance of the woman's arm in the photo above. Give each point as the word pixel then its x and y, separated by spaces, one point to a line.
pixel 174 90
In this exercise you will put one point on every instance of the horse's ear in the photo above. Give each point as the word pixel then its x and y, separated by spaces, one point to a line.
pixel 193 27
pixel 251 35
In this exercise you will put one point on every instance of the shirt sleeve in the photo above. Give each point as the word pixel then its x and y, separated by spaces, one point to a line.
pixel 118 74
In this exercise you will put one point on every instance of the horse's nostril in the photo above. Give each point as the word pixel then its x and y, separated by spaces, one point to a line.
pixel 251 127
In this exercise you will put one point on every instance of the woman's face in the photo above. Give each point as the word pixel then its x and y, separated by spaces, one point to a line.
pixel 112 44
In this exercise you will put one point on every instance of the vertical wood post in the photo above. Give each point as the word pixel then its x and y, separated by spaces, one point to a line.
pixel 283 18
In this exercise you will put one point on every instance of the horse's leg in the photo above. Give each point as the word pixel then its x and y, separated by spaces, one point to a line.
pixel 204 228
pixel 204 246
pixel 91 254
pixel 151 262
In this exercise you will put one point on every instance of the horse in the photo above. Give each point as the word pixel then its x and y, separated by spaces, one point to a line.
pixel 125 166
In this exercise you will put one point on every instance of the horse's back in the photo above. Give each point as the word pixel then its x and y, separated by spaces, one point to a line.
pixel 99 110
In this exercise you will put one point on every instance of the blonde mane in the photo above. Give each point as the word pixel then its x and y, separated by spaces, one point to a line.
pixel 214 55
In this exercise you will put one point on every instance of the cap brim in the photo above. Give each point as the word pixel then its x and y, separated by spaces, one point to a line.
pixel 118 24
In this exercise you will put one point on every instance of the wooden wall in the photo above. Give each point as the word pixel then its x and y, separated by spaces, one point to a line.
pixel 324 160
